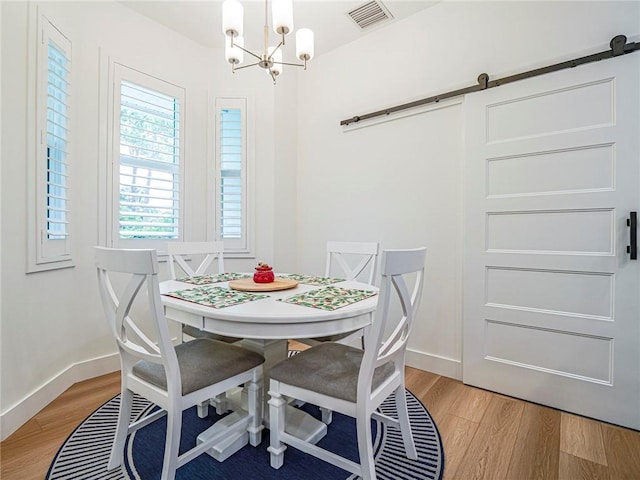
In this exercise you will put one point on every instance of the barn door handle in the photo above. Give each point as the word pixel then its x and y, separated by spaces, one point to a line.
pixel 632 223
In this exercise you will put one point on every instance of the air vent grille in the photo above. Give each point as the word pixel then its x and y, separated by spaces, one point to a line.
pixel 369 14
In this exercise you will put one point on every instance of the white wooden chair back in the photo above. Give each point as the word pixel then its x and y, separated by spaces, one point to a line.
pixel 338 252
pixel 211 250
pixel 141 266
pixel 378 351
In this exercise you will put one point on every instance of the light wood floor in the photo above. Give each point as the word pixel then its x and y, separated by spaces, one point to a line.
pixel 485 435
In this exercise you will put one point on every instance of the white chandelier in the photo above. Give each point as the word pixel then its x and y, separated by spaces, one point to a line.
pixel 271 57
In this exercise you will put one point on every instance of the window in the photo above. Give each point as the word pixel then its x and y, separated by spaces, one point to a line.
pixel 231 218
pixel 57 143
pixel 49 242
pixel 147 163
pixel 231 173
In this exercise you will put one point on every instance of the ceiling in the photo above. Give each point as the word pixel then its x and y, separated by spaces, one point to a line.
pixel 201 21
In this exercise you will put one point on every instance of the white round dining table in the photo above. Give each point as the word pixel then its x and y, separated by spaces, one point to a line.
pixel 270 318
pixel 265 326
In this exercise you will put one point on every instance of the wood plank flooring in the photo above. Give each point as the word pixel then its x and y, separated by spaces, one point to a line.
pixel 485 435
pixel 28 452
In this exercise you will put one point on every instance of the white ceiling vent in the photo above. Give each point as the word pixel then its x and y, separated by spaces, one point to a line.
pixel 369 14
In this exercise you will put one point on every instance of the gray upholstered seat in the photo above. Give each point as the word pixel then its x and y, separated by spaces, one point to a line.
pixel 228 359
pixel 197 333
pixel 330 369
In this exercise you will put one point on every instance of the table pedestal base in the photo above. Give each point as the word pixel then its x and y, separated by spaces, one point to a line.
pixel 302 425
pixel 229 444
pixel 299 424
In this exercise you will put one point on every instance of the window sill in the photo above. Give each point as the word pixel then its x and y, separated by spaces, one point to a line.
pixel 47 267
pixel 239 254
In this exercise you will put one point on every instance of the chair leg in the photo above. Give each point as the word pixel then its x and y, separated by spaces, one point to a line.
pixel 221 402
pixel 277 406
pixel 405 426
pixel 124 414
pixel 203 409
pixel 255 410
pixel 365 447
pixel 172 444
pixel 327 415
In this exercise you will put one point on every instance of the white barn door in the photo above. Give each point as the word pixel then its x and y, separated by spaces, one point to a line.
pixel 551 297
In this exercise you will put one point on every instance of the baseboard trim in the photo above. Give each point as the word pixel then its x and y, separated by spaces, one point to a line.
pixel 17 415
pixel 20 413
pixel 447 367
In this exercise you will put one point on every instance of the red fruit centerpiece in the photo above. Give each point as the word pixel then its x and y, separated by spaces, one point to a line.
pixel 264 274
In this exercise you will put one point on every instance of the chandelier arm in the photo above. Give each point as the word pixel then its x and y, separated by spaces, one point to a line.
pixel 249 52
pixel 275 50
pixel 291 64
pixel 246 66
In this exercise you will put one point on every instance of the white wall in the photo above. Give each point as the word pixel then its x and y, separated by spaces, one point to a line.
pixel 285 173
pixel 53 331
pixel 397 182
pixel 400 182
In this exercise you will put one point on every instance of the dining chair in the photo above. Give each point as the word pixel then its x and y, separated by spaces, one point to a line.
pixel 174 378
pixel 211 250
pixel 351 381
pixel 365 253
pixel 178 253
pixel 208 252
pixel 353 261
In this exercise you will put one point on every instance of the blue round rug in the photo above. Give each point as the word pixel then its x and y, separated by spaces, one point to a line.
pixel 85 454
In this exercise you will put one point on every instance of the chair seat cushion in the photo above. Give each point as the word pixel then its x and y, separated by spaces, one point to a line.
pixel 202 362
pixel 330 369
pixel 197 333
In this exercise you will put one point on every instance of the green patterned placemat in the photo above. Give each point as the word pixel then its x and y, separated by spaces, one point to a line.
pixel 310 280
pixel 329 298
pixel 215 297
pixel 212 278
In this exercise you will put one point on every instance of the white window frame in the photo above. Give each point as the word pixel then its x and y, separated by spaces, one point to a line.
pixel 45 252
pixel 243 246
pixel 120 72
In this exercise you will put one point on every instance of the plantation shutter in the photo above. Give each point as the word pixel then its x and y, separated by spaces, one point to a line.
pixel 57 144
pixel 231 178
pixel 52 160
pixel 149 163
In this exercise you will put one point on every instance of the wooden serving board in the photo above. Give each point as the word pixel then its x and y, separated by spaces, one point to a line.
pixel 248 285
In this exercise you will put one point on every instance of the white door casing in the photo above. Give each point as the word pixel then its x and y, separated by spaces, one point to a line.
pixel 551 298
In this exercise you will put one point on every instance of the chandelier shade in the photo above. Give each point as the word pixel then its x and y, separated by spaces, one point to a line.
pixel 232 18
pixel 276 57
pixel 270 59
pixel 282 16
pixel 304 44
